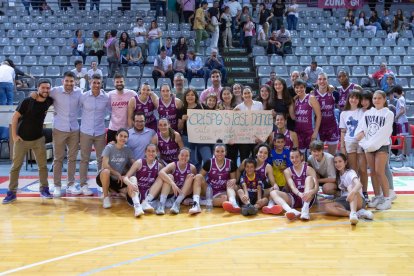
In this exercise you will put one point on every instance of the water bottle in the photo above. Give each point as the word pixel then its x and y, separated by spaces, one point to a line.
pixel 209 199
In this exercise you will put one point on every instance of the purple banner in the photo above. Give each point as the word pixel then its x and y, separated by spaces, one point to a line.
pixel 338 4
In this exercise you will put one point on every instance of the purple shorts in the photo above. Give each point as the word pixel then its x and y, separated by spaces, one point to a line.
pixel 402 128
pixel 304 138
pixel 329 135
pixel 297 201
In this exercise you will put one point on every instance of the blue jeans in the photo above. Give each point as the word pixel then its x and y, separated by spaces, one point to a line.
pixel 292 22
pixel 6 93
pixel 153 46
pixel 95 3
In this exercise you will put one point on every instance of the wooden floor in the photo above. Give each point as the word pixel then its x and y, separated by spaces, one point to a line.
pixel 75 236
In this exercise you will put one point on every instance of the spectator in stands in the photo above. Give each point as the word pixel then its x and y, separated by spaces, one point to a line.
pixel 235 11
pixel 178 89
pixel 266 97
pixel 94 4
pixel 274 46
pixel 272 79
pixel 228 101
pixel 283 36
pixel 82 5
pixel 362 21
pixel 278 10
pixel 94 70
pixel 261 37
pixel 378 75
pixel 248 30
pixel 26 4
pixel 394 31
pixel 226 23
pixel 141 36
pixel 107 36
pixel 216 62
pixel 81 74
pixel 313 71
pixel 283 102
pixel 264 17
pixel 401 19
pixel 374 22
pixel 65 4
pixel 386 20
pixel 112 52
pixel 154 36
pixel 180 47
pixel 214 15
pixel 134 54
pixel 188 8
pixel 123 50
pixel 200 25
pixel 168 47
pixel 125 5
pixel 124 37
pixel 195 67
pixel 411 22
pixel 96 47
pixel 350 21
pixel 180 64
pixel 161 4
pixel 78 45
pixel 237 90
pixel 7 77
pixel 241 20
pixel 45 7
pixel 162 67
pixel 292 11
pixel 215 87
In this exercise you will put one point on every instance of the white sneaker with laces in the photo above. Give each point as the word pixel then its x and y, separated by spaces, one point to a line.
pixel 146 207
pixel 138 210
pixel 375 201
pixel 195 209
pixel 400 158
pixel 107 202
pixel 57 192
pixel 292 214
pixel 365 214
pixel 392 195
pixel 175 209
pixel 86 191
pixel 353 218
pixel 160 210
pixel 385 204
pixel 72 189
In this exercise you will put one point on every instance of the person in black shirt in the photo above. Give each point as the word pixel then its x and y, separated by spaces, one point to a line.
pixel 27 133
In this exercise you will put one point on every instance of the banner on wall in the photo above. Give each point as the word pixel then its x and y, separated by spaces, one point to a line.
pixel 238 127
pixel 338 4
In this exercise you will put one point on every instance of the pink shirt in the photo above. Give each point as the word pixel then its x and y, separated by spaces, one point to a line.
pixel 119 108
pixel 209 91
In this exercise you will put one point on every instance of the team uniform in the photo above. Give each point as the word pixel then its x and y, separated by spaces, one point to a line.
pixel 288 138
pixel 280 161
pixel 343 95
pixel 261 174
pixel 299 180
pixel 169 149
pixel 148 108
pixel 217 177
pixel 328 131
pixel 146 176
pixel 169 112
pixel 304 128
pixel 252 185
pixel 180 175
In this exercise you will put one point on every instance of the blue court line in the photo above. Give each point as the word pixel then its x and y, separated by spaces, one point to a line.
pixel 231 238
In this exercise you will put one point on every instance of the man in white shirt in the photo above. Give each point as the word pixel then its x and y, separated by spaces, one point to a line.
pixel 7 76
pixel 81 75
pixel 313 71
pixel 235 10
pixel 140 36
pixel 162 67
pixel 94 70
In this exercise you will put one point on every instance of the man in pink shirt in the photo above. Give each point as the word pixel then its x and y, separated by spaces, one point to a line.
pixel 215 88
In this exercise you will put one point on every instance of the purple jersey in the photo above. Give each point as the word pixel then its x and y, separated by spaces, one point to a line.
pixel 169 149
pixel 261 172
pixel 180 175
pixel 148 108
pixel 303 112
pixel 288 139
pixel 218 177
pixel 169 112
pixel 327 103
pixel 299 180
pixel 146 176
pixel 343 95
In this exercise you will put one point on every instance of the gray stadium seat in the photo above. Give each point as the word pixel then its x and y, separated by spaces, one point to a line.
pixel 72 60
pixel 407 34
pixel 261 60
pixel 52 71
pixel 403 42
pixel 198 84
pixel 405 71
pixel 349 42
pixel 308 42
pixel 356 34
pixel 399 51
pixel 385 51
pixel 329 51
pixel 321 60
pixel 305 60
pixel 376 42
pixel 280 71
pixel 379 59
pixel 9 50
pixel 276 60
pixel 23 50
pixel 258 51
pixel 134 71
pixel 38 50
pixel 147 71
pixel 315 50
pixel 329 70
pixel 53 50
pixel 350 60
pixel 408 60
pixel 264 71
pixel 358 71
pixel 389 42
pixel 335 60
pixel 410 50
pixel 381 34
pixel 109 84
pixel 45 41
pixel 295 68
pixel 30 60
pixel 365 60
pixel 150 81
pixel 66 51
pixel 369 34
pixel 17 41
pixel 45 60
pixel 363 42
pixel 322 42
pixel 131 83
pixel 89 59
pixel 59 41
pixel 343 51
pixel 32 41
pixel 403 82
pixel 394 60
pixel 371 51
pixel 412 85
pixel 291 60
pixel 61 60
pixel 301 50
pixel 37 71
pixel 337 42
pixel 17 60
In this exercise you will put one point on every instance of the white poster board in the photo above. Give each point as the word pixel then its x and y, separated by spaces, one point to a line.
pixel 238 127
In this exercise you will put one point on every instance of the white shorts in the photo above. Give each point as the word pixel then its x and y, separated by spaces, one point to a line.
pixel 353 147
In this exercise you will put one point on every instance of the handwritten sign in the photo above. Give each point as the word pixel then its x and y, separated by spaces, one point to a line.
pixel 338 4
pixel 239 127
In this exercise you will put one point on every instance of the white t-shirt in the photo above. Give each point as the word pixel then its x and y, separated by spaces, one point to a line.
pixel 7 73
pixel 140 38
pixel 234 7
pixel 349 120
pixel 165 63
pixel 401 104
pixel 347 180
pixel 325 168
pixel 255 106
pixel 83 72
pixel 91 73
pixel 295 7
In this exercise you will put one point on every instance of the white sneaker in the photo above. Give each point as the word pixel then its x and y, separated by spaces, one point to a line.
pixel 195 209
pixel 353 218
pixel 365 214
pixel 107 202
pixel 392 156
pixel 304 215
pixel 57 192
pixel 160 210
pixel 86 191
pixel 385 204
pixel 392 195
pixel 72 189
pixel 175 209
pixel 146 207
pixel 375 201
pixel 292 214
pixel 138 210
pixel 400 158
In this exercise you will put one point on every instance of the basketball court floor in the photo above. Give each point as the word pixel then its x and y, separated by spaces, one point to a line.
pixel 76 236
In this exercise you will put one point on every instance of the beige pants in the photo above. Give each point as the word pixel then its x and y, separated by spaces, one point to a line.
pixel 61 141
pixel 86 142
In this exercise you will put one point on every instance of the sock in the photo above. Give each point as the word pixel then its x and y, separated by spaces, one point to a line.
pixel 271 203
pixel 149 198
pixel 179 199
pixel 305 206
pixel 286 207
pixel 196 199
pixel 233 201
pixel 135 199
pixel 163 199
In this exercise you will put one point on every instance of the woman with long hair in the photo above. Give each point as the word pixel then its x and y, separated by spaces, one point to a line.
pixel 154 35
pixel 283 102
pixel 146 102
pixel 265 96
pixel 168 106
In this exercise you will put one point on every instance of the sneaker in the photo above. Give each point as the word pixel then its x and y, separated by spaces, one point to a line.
pixel 244 210
pixel 375 201
pixel 195 209
pixel 10 197
pixel 392 195
pixel 147 207
pixel 252 210
pixel 86 191
pixel 227 206
pixel 107 202
pixel 366 197
pixel 138 210
pixel 274 210
pixel 353 218
pixel 44 192
pixel 292 214
pixel 304 215
pixel 175 209
pixel 365 214
pixel 392 156
pixel 57 192
pixel 73 190
pixel 385 204
pixel 160 210
pixel 400 158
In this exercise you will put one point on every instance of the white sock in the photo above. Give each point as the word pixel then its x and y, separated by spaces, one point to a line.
pixel 271 203
pixel 305 206
pixel 135 199
pixel 163 199
pixel 179 199
pixel 149 198
pixel 232 200
pixel 196 199
pixel 286 207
